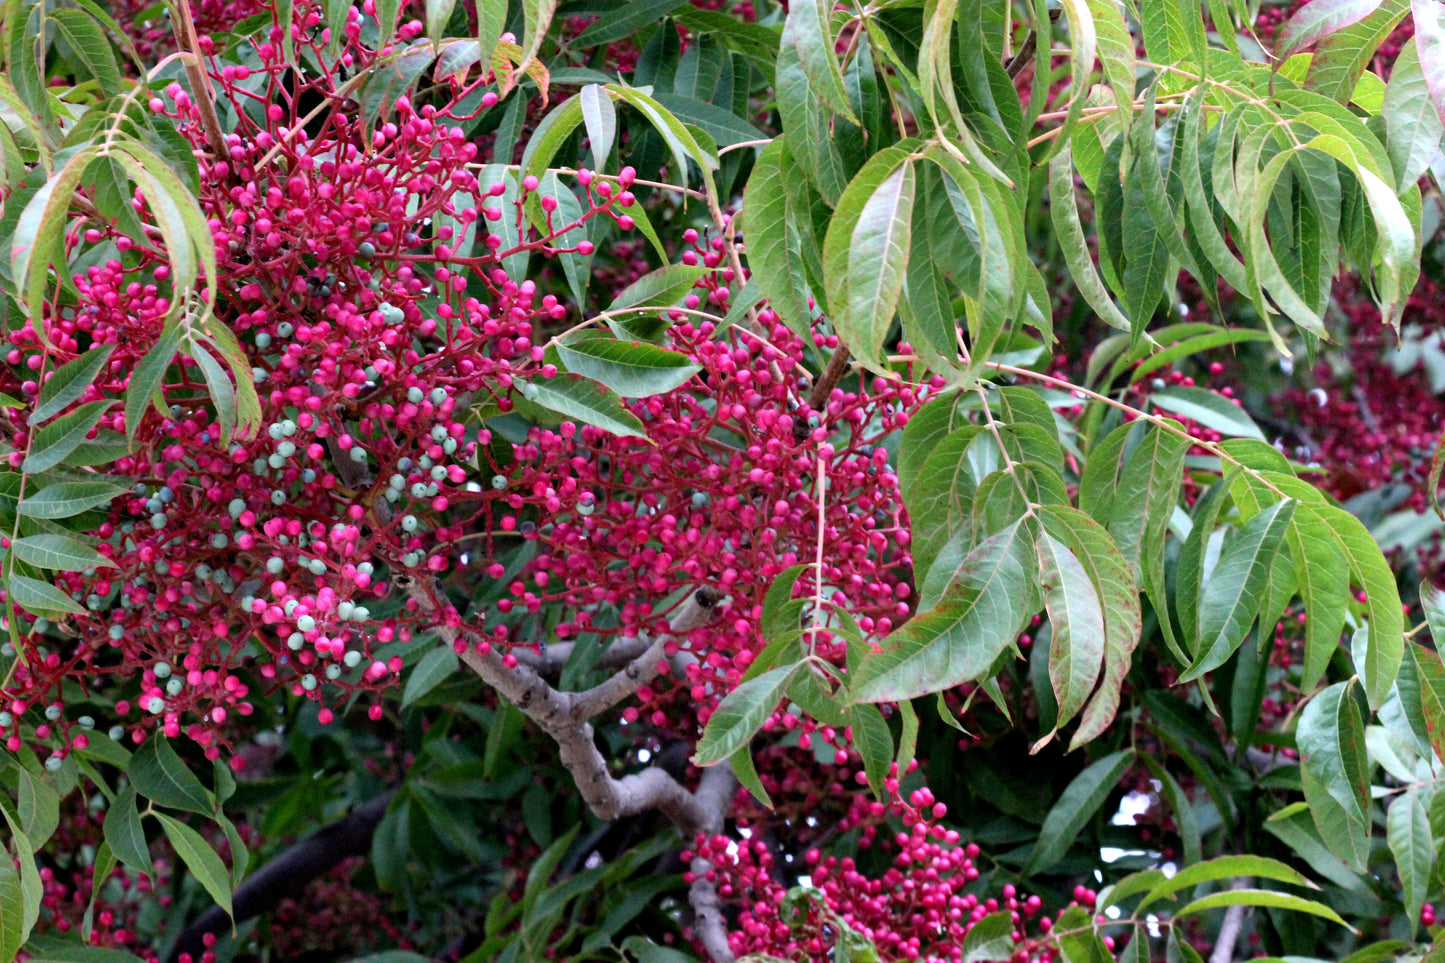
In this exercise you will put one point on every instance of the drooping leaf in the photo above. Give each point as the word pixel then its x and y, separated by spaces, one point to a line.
pixel 435 667
pixel 1407 827
pixel 1076 652
pixel 40 598
pixel 807 31
pixel 158 773
pixel 600 116
pixel 980 613
pixel 1430 50
pixel 124 833
pixel 1334 767
pixel 774 244
pixel 742 713
pixel 865 255
pixel 874 744
pixel 1371 572
pixel 1209 409
pixel 1235 591
pixel 1074 808
pixel 1112 580
pixel 39 807
pixel 200 859
pixel 1413 127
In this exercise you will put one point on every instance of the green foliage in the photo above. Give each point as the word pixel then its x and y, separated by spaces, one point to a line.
pixel 896 192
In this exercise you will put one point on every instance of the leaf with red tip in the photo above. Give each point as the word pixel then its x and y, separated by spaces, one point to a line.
pixel 1315 21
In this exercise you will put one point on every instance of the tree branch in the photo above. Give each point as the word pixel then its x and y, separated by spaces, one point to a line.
pixel 564 716
pixel 1223 951
pixel 289 873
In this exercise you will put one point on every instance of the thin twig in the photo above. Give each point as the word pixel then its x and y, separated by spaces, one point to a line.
pixel 828 380
pixel 1229 929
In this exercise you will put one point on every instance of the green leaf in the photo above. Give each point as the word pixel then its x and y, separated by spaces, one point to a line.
pixel 1341 57
pixel 624 20
pixel 1209 409
pixel 31 888
pixel 1221 868
pixel 1174 32
pixel 40 598
pixel 56 949
pixel 240 855
pixel 1069 232
pixel 1315 21
pixel 124 833
pixel 200 859
pixel 12 933
pixel 39 807
pixel 742 713
pixel 874 742
pixel 1387 621
pixel 438 15
pixel 1114 583
pixel 979 615
pixel 69 382
pixel 991 938
pixel 658 289
pixel 586 401
pixel 747 773
pixel 1412 124
pixel 1181 806
pixel 1334 767
pixel 1261 897
pixel 722 125
pixel 58 552
pixel 1074 808
pixel 1422 693
pixel 773 243
pixel 1430 50
pixel 88 41
pixel 160 775
pixel 600 116
pixel 1407 827
pixel 1235 592
pixel 1140 508
pixel 41 225
pixel 1076 652
pixel 105 862
pixel 780 615
pixel 68 499
pixel 53 443
pixel 631 369
pixel 865 256
pixel 435 667
pixel 147 376
pixel 807 30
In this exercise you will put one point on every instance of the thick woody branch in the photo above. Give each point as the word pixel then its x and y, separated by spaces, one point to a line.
pixel 635 674
pixel 552 659
pixel 564 716
pixel 288 874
